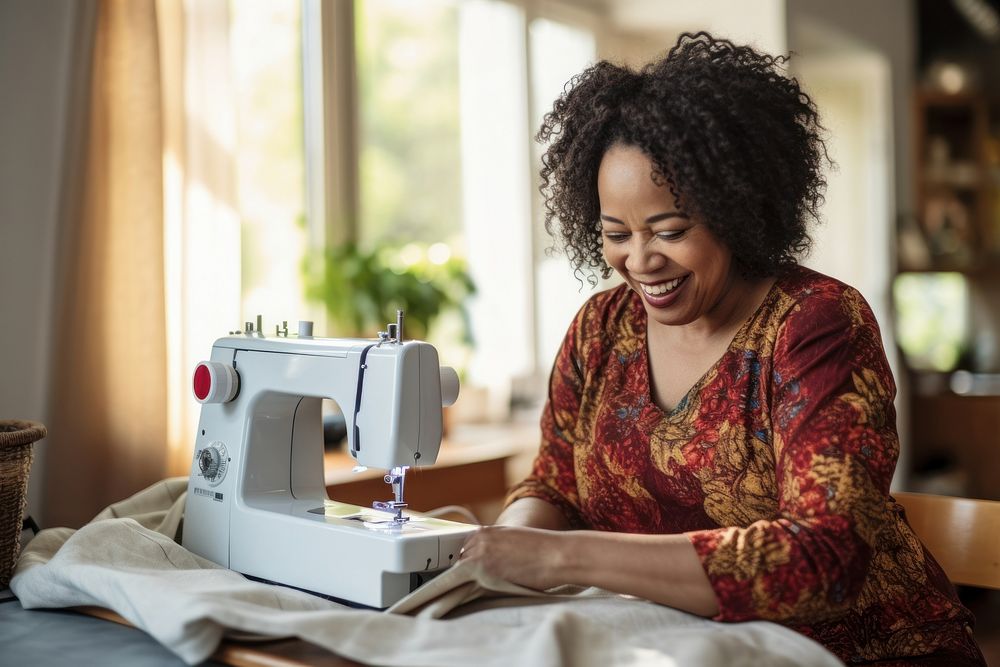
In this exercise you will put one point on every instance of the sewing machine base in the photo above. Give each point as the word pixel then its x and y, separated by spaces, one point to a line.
pixel 417 579
pixel 346 552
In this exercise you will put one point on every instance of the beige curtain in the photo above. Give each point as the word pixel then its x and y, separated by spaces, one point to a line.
pixel 108 424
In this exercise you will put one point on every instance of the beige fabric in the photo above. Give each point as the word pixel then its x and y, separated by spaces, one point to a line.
pixel 108 417
pixel 127 561
pixel 159 507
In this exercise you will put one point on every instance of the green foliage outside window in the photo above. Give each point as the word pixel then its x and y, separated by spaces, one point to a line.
pixel 410 155
pixel 932 319
pixel 361 290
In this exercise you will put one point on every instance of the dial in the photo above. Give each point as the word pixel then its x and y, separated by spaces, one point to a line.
pixel 215 382
pixel 213 461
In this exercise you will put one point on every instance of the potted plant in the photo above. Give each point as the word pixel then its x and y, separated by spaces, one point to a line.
pixel 361 289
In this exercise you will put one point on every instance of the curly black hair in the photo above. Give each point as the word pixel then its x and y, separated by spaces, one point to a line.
pixel 737 141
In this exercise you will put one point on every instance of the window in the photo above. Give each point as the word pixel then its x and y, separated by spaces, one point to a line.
pixel 409 132
pixel 266 47
pixel 559 51
pixel 446 155
pixel 932 319
pixel 393 124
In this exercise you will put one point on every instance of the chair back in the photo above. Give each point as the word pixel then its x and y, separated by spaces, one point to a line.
pixel 962 534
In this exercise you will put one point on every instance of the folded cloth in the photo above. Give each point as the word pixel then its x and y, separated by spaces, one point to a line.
pixel 126 560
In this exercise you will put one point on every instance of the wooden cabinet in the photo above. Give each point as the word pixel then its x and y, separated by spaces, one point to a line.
pixel 958 185
pixel 955 229
pixel 965 429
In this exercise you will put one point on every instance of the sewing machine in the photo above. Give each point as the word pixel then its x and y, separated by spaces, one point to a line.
pixel 256 500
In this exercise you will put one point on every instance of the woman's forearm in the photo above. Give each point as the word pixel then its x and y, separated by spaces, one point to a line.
pixel 533 513
pixel 661 568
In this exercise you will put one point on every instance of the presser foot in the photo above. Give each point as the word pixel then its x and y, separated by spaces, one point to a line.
pixel 396 477
pixel 392 507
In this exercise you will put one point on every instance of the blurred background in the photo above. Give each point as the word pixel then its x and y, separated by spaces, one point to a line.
pixel 169 170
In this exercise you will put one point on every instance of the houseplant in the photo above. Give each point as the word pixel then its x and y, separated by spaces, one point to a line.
pixel 362 289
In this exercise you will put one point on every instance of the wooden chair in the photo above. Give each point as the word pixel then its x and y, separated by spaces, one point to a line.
pixel 961 533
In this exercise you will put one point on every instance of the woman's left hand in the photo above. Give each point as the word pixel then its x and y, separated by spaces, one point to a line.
pixel 531 557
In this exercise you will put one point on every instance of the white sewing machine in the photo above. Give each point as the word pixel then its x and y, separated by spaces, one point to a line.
pixel 256 500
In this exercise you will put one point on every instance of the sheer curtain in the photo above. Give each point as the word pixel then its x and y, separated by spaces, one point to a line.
pixel 150 271
pixel 202 226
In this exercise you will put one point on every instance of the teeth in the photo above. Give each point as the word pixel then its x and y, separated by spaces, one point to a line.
pixel 662 288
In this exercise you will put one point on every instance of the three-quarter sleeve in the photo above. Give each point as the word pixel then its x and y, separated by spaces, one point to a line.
pixel 835 445
pixel 553 474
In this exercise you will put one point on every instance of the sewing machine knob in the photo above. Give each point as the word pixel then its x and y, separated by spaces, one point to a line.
pixel 449 386
pixel 213 461
pixel 215 382
pixel 208 462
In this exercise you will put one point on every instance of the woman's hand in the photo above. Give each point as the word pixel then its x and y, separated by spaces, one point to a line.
pixel 661 568
pixel 531 557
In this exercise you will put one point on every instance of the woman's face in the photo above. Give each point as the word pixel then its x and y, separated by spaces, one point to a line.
pixel 675 263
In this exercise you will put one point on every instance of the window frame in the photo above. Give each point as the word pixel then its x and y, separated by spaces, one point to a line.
pixel 331 106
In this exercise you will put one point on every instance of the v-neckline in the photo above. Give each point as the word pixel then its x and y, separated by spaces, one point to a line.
pixel 644 360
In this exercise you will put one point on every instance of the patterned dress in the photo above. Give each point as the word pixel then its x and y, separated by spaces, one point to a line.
pixel 776 464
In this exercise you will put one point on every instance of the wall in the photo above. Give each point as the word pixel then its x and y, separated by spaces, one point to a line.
pixel 36 38
pixel 887 27
pixel 760 22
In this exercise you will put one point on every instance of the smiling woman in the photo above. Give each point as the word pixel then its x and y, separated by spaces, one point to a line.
pixel 720 428
pixel 663 254
pixel 683 272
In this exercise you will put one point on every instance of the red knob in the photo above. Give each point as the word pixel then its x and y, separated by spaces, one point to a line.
pixel 215 382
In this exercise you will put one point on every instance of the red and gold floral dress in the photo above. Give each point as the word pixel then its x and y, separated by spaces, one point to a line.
pixel 776 464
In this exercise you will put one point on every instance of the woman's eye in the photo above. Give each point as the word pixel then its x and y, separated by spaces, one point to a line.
pixel 670 236
pixel 615 237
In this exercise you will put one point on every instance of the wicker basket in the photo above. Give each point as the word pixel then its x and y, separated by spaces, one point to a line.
pixel 16 438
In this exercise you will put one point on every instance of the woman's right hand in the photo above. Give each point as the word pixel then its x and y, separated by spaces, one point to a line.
pixel 530 557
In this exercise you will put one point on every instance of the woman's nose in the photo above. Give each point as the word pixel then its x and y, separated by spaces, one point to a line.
pixel 642 257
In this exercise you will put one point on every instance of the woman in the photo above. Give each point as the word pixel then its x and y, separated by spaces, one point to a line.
pixel 719 434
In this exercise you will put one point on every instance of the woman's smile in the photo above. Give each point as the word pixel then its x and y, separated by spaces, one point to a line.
pixel 662 294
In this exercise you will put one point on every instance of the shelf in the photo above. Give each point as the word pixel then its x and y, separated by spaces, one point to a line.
pixel 939 99
pixel 965 184
pixel 957 213
pixel 954 228
pixel 985 269
pixel 956 385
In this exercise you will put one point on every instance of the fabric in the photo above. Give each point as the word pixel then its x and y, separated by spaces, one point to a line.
pixel 776 464
pixel 126 560
pixel 107 428
pixel 202 210
pixel 149 251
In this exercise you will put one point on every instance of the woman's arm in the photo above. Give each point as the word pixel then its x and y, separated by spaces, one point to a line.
pixel 660 568
pixel 835 447
pixel 533 513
